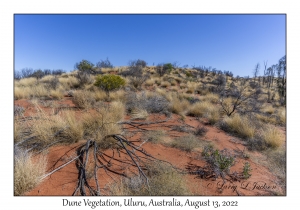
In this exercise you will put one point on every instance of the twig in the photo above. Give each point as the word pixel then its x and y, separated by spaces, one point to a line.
pixel 60 167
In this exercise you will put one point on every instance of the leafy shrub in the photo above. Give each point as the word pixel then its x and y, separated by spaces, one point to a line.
pixel 246 170
pixel 221 161
pixel 168 67
pixel 188 74
pixel 109 82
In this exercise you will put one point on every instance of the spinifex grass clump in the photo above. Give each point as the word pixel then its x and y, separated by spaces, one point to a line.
pixel 27 172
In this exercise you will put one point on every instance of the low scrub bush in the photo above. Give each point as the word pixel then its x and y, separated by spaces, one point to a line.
pixel 220 161
pixel 109 82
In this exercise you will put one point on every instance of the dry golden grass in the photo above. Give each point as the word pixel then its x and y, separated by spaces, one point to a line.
pixel 39 90
pixel 205 109
pixel 202 90
pixel 158 81
pixel 27 173
pixel 177 105
pixel 118 95
pixel 139 114
pixel 47 78
pixel 266 119
pixel 240 125
pixel 162 92
pixel 84 99
pixel 211 97
pixel 165 84
pixel 174 88
pixel 173 82
pixel 44 127
pixel 74 128
pixel 163 181
pixel 26 82
pixel 272 136
pixel 281 116
pixel 149 82
pixel 100 95
pixel 118 110
pixel 18 128
pixel 21 92
pixel 269 109
pixel 183 85
pixel 69 82
pixel 57 94
pixel 191 87
pixel 98 125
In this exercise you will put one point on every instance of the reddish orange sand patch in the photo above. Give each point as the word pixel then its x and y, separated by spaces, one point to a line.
pixel 64 181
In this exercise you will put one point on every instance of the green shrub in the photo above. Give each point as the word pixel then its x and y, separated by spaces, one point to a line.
pixel 85 66
pixel 168 67
pixel 220 161
pixel 109 82
pixel 246 170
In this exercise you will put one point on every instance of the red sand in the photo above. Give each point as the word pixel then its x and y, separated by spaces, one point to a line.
pixel 64 181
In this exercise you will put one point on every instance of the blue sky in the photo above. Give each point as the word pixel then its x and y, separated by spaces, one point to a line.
pixel 225 42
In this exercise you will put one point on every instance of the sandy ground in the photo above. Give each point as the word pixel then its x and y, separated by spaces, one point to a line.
pixel 64 181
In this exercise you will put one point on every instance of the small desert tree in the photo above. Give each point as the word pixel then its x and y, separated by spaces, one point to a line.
pixel 109 82
pixel 85 66
pixel 281 80
pixel 240 96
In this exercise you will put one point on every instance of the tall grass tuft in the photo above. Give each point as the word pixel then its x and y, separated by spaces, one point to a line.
pixel 27 172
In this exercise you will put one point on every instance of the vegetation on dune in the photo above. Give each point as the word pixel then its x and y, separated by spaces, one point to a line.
pixel 252 109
